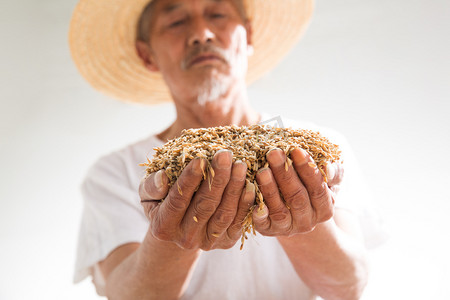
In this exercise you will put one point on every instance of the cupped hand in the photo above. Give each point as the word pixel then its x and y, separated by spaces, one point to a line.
pixel 307 199
pixel 195 215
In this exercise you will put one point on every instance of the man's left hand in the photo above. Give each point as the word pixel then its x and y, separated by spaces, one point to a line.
pixel 308 199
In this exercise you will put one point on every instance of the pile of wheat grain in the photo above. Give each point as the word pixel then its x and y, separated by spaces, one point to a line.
pixel 248 144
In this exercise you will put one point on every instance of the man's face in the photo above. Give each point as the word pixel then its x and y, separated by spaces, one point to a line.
pixel 199 46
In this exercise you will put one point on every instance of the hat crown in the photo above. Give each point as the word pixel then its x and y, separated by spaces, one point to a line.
pixel 102 42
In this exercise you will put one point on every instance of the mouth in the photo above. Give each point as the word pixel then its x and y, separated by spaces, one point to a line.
pixel 206 58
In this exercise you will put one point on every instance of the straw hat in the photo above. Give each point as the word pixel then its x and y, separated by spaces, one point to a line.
pixel 102 42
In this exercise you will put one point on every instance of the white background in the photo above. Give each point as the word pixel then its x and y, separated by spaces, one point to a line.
pixel 376 70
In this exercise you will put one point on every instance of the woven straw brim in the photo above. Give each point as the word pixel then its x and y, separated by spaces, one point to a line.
pixel 102 42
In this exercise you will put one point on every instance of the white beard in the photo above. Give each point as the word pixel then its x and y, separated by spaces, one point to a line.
pixel 212 90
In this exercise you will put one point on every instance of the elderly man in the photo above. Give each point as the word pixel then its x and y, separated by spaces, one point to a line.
pixel 201 49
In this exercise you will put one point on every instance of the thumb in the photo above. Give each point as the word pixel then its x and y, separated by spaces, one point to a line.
pixel 154 186
pixel 261 218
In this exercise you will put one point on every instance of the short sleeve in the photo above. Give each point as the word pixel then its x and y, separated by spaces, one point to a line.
pixel 112 215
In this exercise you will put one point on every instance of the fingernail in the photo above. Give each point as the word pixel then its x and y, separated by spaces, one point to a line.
pixel 250 187
pixel 299 155
pixel 224 158
pixel 303 153
pixel 240 162
pixel 141 187
pixel 276 156
pixel 157 179
pixel 239 170
pixel 264 176
pixel 261 213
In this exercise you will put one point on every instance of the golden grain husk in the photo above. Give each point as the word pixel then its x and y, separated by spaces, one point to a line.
pixel 249 144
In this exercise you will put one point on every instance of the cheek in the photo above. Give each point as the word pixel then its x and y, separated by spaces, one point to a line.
pixel 168 51
pixel 169 62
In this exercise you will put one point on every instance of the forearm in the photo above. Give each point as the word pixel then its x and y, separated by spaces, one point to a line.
pixel 331 262
pixel 156 270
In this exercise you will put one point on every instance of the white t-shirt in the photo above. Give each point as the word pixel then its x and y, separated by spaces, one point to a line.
pixel 113 216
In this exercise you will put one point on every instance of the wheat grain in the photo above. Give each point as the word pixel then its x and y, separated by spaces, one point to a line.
pixel 248 144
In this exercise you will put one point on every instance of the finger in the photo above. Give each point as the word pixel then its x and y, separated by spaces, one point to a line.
pixel 154 186
pixel 335 173
pixel 165 218
pixel 279 214
pixel 208 196
pixel 261 219
pixel 246 201
pixel 149 206
pixel 227 209
pixel 334 191
pixel 317 188
pixel 294 192
pixel 179 197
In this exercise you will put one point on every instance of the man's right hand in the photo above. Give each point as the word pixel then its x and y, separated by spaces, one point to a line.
pixel 209 218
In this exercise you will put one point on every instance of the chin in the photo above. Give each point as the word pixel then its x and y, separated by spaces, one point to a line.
pixel 212 90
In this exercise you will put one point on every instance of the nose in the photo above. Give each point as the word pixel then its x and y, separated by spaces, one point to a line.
pixel 200 32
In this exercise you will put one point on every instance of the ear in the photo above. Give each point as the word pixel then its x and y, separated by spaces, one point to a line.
pixel 144 52
pixel 248 27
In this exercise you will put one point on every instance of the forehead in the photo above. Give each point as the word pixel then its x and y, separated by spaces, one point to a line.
pixel 168 6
